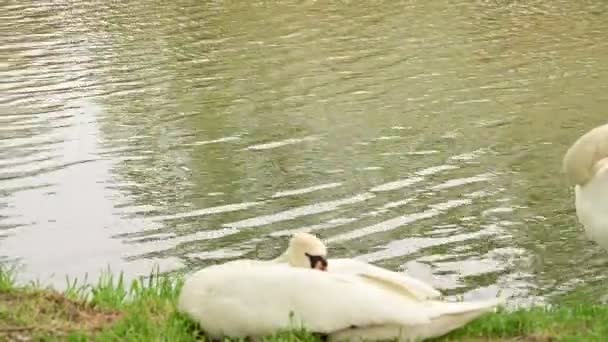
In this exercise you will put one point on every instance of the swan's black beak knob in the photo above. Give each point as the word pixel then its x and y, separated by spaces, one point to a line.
pixel 317 262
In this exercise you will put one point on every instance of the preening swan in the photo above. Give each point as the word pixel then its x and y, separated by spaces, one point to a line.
pixel 586 167
pixel 300 243
pixel 255 300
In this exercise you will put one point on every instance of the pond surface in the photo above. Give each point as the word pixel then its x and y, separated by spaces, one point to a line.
pixel 423 136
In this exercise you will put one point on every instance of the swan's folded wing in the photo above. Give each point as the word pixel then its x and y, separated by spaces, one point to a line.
pixel 409 286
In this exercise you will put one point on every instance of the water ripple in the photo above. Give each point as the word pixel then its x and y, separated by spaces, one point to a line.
pixel 317 208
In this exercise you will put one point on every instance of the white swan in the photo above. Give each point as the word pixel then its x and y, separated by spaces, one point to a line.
pixel 301 243
pixel 586 166
pixel 258 299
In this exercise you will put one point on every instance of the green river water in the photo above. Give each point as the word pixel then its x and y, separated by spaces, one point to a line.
pixel 424 136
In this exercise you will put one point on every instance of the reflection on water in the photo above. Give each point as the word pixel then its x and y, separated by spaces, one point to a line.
pixel 421 137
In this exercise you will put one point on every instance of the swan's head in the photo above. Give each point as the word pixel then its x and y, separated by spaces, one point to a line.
pixel 306 250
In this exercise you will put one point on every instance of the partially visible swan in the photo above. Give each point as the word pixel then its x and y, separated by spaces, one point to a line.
pixel 586 166
pixel 301 242
pixel 258 299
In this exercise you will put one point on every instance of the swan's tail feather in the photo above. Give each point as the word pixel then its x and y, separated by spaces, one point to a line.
pixel 453 315
pixel 439 308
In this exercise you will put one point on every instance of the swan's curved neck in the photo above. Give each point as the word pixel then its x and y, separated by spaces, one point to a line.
pixel 600 166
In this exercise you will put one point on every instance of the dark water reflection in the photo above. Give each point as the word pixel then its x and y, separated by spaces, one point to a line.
pixel 417 135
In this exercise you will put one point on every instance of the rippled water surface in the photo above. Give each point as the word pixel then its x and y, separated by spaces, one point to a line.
pixel 419 135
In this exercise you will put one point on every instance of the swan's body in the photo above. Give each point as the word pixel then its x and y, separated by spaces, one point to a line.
pixel 586 166
pixel 261 299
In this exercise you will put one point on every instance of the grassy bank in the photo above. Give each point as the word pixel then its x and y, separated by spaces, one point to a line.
pixel 145 311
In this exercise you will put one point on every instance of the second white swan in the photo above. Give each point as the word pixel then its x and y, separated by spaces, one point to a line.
pixel 586 166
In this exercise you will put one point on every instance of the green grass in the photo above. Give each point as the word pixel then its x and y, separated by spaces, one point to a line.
pixel 145 310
